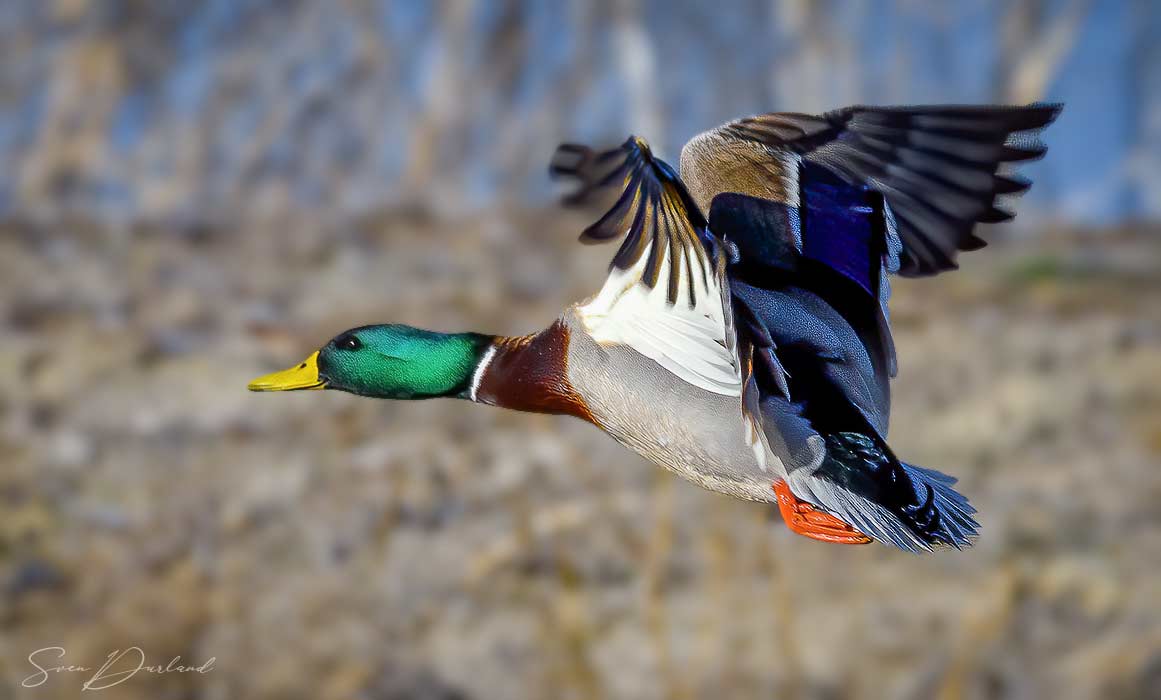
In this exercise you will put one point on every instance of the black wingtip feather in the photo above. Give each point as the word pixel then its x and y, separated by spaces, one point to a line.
pixel 1011 185
pixel 939 169
pixel 994 215
pixel 972 242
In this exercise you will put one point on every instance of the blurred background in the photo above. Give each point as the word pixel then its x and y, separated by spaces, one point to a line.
pixel 194 193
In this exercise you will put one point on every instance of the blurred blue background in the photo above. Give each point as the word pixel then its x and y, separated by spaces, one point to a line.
pixel 180 111
pixel 196 193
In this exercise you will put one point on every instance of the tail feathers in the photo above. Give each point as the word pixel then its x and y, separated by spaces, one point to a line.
pixel 955 524
pixel 859 481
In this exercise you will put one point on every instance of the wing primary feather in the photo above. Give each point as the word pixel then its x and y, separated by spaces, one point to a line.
pixel 611 224
pixel 677 251
pixel 660 243
pixel 635 243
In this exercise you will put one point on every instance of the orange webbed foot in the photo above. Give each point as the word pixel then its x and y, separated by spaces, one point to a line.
pixel 805 519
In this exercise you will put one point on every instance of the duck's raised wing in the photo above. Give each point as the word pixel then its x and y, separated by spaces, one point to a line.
pixel 666 296
pixel 937 167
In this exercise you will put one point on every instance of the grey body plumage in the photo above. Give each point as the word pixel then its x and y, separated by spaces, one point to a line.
pixel 693 432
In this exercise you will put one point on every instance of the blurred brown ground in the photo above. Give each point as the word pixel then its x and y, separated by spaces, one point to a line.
pixel 325 546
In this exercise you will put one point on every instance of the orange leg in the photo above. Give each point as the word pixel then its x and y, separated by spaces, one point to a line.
pixel 804 519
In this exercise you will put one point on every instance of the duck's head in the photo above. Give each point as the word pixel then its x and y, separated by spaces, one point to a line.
pixel 386 361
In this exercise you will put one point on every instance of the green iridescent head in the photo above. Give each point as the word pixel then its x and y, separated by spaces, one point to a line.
pixel 389 362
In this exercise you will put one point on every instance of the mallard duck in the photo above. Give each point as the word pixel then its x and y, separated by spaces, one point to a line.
pixel 741 338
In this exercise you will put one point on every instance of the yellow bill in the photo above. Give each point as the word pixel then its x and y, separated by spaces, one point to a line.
pixel 303 376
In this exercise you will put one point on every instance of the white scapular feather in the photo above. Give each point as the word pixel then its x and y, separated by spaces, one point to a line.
pixel 690 342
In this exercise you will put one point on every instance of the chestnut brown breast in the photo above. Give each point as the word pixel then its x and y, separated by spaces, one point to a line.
pixel 530 373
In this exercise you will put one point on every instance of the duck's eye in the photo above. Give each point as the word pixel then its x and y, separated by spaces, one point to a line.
pixel 348 342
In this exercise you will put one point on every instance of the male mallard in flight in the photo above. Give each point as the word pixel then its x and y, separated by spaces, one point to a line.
pixel 750 352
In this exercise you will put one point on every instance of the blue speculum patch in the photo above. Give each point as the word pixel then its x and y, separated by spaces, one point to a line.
pixel 840 222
